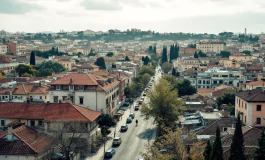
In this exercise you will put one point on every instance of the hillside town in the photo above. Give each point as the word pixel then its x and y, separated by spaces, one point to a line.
pixel 78 95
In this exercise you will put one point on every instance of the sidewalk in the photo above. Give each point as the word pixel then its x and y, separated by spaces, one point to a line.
pixel 100 153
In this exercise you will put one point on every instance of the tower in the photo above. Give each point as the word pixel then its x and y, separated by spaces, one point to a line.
pixel 245 31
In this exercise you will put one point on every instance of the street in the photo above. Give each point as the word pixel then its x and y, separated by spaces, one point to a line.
pixel 136 139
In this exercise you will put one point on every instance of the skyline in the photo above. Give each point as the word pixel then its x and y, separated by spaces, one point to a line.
pixel 193 16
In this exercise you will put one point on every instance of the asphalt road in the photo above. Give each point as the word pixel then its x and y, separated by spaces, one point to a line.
pixel 137 138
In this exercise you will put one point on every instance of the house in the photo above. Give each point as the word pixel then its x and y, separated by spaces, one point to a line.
pixel 22 92
pixel 100 93
pixel 86 68
pixel 7 64
pixel 255 84
pixel 19 141
pixel 251 106
pixel 3 49
pixel 67 63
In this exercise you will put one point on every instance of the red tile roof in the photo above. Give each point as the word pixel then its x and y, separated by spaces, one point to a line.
pixel 254 68
pixel 22 89
pixel 47 111
pixel 29 142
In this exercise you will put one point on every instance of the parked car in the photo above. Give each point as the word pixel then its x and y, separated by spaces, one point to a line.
pixel 124 128
pixel 126 104
pixel 109 153
pixel 144 94
pixel 136 107
pixel 129 120
pixel 132 115
pixel 140 101
pixel 116 141
pixel 163 151
pixel 142 98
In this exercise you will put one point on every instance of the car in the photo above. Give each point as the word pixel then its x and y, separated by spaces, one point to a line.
pixel 124 128
pixel 109 153
pixel 136 107
pixel 140 101
pixel 146 89
pixel 144 94
pixel 142 98
pixel 126 104
pixel 132 115
pixel 116 141
pixel 129 120
pixel 163 151
pixel 153 80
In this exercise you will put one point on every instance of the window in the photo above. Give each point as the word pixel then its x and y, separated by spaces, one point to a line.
pixel 55 99
pixel 258 108
pixel 40 97
pixel 32 123
pixel 40 123
pixel 225 129
pixel 2 122
pixel 81 100
pixel 64 97
pixel 81 87
pixel 245 105
pixel 58 87
pixel 258 121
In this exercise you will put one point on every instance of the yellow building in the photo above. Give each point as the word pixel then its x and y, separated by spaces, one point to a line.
pixel 216 47
pixel 240 58
pixel 68 64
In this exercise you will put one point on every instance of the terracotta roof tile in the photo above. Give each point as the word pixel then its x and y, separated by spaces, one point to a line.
pixel 77 79
pixel 255 95
pixel 47 111
pixel 23 89
pixel 221 92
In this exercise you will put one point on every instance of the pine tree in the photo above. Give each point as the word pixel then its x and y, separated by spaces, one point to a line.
pixel 217 150
pixel 196 55
pixel 260 152
pixel 32 58
pixel 127 58
pixel 237 145
pixel 207 151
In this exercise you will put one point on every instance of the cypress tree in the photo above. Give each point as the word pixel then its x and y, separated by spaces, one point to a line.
pixel 176 51
pixel 217 151
pixel 260 152
pixel 173 72
pixel 237 145
pixel 127 58
pixel 103 65
pixel 32 60
pixel 196 55
pixel 171 55
pixel 155 50
pixel 207 151
pixel 164 55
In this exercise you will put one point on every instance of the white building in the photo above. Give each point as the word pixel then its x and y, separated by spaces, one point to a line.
pixel 3 49
pixel 216 47
pixel 88 90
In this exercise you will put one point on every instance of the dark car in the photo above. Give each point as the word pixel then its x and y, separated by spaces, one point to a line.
pixel 144 94
pixel 132 115
pixel 126 104
pixel 109 153
pixel 129 120
pixel 136 107
pixel 124 128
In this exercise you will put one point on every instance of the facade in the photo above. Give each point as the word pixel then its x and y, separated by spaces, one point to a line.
pixel 3 49
pixel 240 58
pixel 251 105
pixel 214 77
pixel 88 90
pixel 87 68
pixel 68 64
pixel 216 47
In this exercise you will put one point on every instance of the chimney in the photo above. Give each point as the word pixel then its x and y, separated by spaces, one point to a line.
pixel 9 135
pixel 48 102
pixel 71 80
pixel 60 101
pixel 28 100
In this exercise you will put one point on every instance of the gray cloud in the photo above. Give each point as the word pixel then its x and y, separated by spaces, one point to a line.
pixel 101 6
pixel 17 7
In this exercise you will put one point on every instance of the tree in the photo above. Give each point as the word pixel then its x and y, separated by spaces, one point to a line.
pixel 71 138
pixel 106 120
pixel 192 45
pixel 217 151
pixel 146 60
pixel 113 65
pixel 179 144
pixel 176 53
pixel 260 152
pixel 237 145
pixel 201 54
pixel 147 69
pixel 164 106
pixel 171 53
pixel 185 88
pixel 173 72
pixel 150 49
pixel 225 54
pixel 155 50
pixel 101 63
pixel 227 98
pixel 164 55
pixel 91 53
pixel 23 68
pixel 110 54
pixel 248 53
pixel 196 55
pixel 166 67
pixel 207 151
pixel 127 58
pixel 47 68
pixel 32 58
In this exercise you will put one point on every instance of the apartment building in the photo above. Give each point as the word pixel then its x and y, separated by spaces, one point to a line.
pixel 251 105
pixel 3 49
pixel 238 57
pixel 67 63
pixel 216 47
pixel 100 93
pixel 214 77
pixel 44 48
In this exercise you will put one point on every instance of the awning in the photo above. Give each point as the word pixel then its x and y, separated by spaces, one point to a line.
pixel 123 97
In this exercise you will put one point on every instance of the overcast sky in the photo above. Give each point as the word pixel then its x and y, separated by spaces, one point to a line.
pixel 197 16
